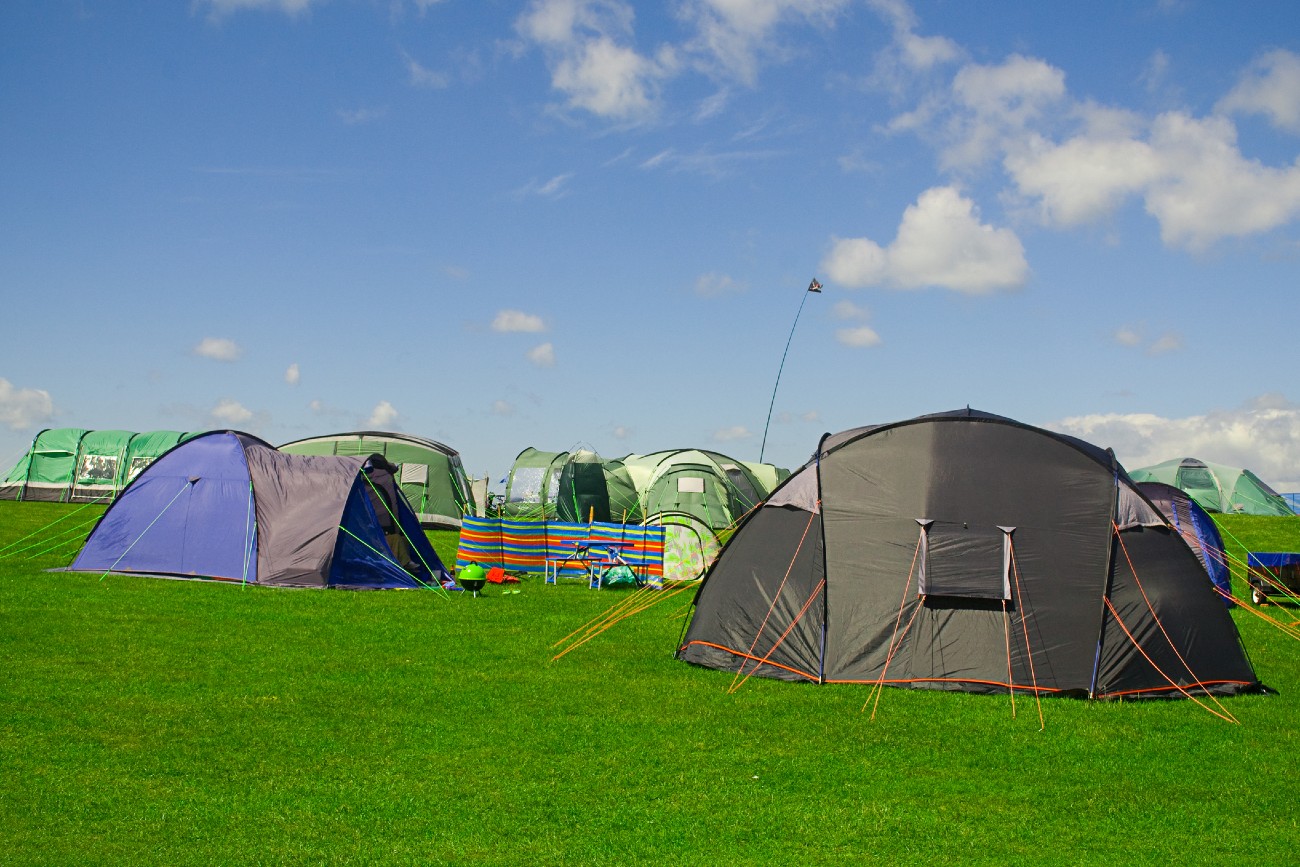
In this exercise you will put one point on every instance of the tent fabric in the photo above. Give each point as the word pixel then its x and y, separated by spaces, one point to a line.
pixel 1196 527
pixel 1015 529
pixel 432 476
pixel 79 465
pixel 1217 487
pixel 228 506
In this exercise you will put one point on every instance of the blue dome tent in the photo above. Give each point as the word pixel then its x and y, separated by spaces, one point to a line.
pixel 227 505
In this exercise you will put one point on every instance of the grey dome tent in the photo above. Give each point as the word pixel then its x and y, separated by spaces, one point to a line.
pixel 966 551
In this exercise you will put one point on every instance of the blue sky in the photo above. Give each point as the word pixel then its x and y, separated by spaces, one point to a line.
pixel 563 222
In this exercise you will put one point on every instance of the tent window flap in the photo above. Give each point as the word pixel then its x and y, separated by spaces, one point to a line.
pixel 964 561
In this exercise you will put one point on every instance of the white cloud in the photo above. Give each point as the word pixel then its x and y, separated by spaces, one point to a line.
pixel 230 412
pixel 731 434
pixel 713 285
pixel 1211 191
pixel 542 355
pixel 909 53
pixel 1189 172
pixel 1126 336
pixel 995 103
pixel 1262 436
pixel 584 41
pixel 940 242
pixel 291 374
pixel 382 416
pixel 517 321
pixel 622 432
pixel 221 8
pixel 503 408
pixel 1166 343
pixel 358 116
pixel 846 309
pixel 1271 87
pixel 1084 178
pixel 555 188
pixel 218 349
pixel 421 76
pixel 862 336
pixel 733 37
pixel 24 407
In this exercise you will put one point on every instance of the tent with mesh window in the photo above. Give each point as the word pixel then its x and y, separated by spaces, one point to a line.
pixel 77 465
pixel 1217 487
pixel 225 505
pixel 966 551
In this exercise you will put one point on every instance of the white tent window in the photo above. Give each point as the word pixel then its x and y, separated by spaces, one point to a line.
pixel 414 474
pixel 690 485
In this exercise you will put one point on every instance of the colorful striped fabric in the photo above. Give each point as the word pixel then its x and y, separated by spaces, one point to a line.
pixel 525 546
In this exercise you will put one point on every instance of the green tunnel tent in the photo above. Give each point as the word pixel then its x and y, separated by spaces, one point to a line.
pixel 431 475
pixel 592 488
pixel 970 552
pixel 1217 487
pixel 533 485
pixel 715 489
pixel 573 486
pixel 79 465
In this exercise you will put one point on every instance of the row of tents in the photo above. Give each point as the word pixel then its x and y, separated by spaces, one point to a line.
pixel 958 551
pixel 81 466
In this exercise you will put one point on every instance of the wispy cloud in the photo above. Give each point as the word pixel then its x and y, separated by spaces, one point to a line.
pixel 22 408
pixel 514 321
pixel 359 116
pixel 731 434
pixel 713 285
pixel 554 188
pixel 542 355
pixel 421 76
pixel 218 349
pixel 292 374
pixel 502 408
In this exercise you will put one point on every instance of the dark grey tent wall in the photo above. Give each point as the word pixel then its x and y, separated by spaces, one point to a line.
pixel 1010 530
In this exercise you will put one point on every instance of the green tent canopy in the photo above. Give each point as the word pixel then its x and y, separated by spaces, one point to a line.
pixel 1216 487
pixel 78 465
pixel 431 474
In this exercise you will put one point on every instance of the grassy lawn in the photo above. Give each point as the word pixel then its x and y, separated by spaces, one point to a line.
pixel 146 721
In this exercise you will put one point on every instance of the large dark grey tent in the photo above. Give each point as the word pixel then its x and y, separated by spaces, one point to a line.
pixel 229 506
pixel 966 551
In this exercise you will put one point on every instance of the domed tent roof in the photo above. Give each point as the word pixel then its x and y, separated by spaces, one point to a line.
pixel 966 551
pixel 1217 487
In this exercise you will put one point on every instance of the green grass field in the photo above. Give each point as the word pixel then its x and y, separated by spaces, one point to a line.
pixel 147 721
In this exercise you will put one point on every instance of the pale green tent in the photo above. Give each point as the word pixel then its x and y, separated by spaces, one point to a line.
pixel 533 485
pixel 430 473
pixel 1215 487
pixel 78 465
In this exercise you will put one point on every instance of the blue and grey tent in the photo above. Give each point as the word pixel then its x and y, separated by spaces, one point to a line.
pixel 229 506
pixel 1196 526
